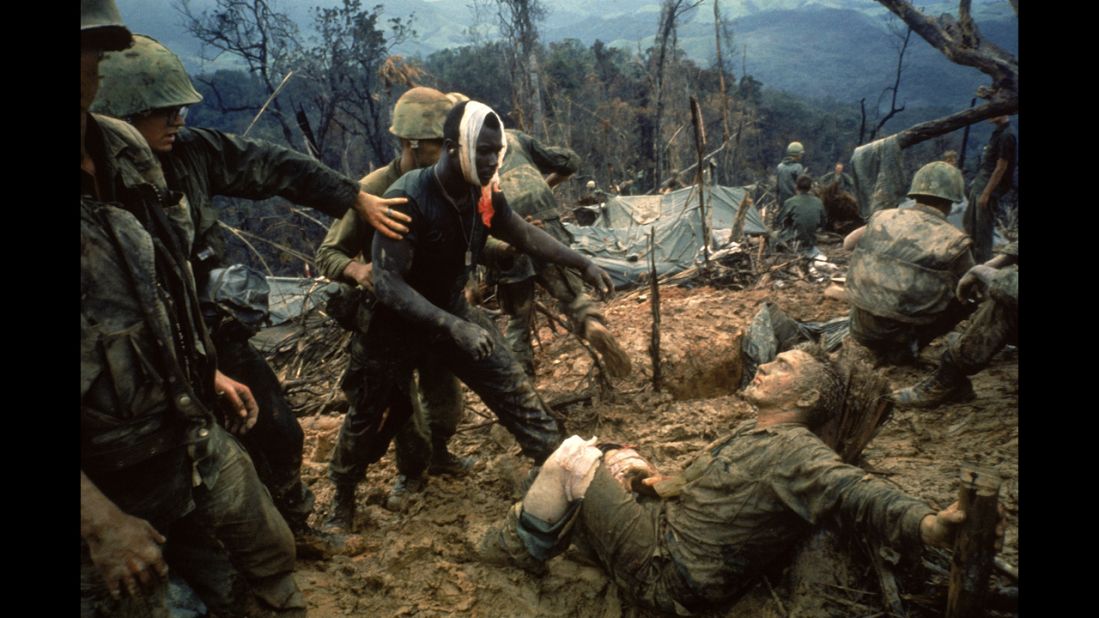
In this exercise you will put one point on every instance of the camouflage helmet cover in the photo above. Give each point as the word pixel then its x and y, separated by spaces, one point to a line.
pixel 938 179
pixel 795 148
pixel 145 77
pixel 419 114
pixel 101 26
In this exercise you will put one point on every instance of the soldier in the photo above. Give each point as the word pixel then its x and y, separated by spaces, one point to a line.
pixel 994 325
pixel 530 195
pixel 746 499
pixel 148 87
pixel 838 176
pixel 802 216
pixel 905 266
pixel 345 256
pixel 786 177
pixel 422 309
pixel 155 466
pixel 992 182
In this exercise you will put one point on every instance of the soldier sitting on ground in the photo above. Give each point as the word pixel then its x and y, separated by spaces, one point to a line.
pixel 729 515
pixel 801 217
pixel 904 267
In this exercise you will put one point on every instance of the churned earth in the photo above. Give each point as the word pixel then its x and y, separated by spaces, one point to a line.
pixel 422 562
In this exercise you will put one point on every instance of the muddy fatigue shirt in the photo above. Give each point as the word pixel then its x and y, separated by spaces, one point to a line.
pixel 522 174
pixel 803 215
pixel 750 497
pixel 146 366
pixel 350 236
pixel 786 176
pixel 907 264
pixel 204 163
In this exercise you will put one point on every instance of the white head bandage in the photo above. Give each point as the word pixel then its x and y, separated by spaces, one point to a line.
pixel 473 119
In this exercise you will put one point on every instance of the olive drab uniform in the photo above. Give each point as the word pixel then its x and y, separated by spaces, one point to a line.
pixel 802 216
pixel 523 184
pixel 735 510
pixel 902 278
pixel 786 176
pixel 149 440
pixel 204 163
pixel 437 396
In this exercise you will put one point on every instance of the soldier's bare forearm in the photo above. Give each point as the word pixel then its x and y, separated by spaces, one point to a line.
pixel 535 242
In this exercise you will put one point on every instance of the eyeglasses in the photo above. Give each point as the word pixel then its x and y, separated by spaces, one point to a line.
pixel 171 114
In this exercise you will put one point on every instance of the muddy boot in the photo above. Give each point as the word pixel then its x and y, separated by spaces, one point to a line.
pixel 947 385
pixel 401 494
pixel 312 544
pixel 343 508
pixel 502 545
pixel 614 357
pixel 446 463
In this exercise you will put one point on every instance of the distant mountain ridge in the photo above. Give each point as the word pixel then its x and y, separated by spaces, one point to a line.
pixel 837 49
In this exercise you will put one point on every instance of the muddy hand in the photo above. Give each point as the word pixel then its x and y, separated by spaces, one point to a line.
pixel 599 279
pixel 126 553
pixel 239 397
pixel 379 213
pixel 939 529
pixel 472 339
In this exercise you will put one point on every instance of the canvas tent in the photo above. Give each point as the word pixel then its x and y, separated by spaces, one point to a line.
pixel 619 239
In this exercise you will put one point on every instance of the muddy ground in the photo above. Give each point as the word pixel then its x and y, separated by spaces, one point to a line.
pixel 422 562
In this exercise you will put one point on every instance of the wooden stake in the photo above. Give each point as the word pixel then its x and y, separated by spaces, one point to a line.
pixel 700 147
pixel 974 547
pixel 741 214
pixel 654 343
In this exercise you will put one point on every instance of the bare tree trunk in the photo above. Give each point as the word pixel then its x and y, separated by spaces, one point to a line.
pixel 724 161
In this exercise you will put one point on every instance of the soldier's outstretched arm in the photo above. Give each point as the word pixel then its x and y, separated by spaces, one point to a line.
pixel 392 261
pixel 533 241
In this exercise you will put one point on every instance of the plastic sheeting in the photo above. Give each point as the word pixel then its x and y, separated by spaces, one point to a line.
pixel 618 240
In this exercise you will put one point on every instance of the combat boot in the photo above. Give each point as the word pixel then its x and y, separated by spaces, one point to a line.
pixel 446 463
pixel 401 494
pixel 343 508
pixel 617 362
pixel 947 385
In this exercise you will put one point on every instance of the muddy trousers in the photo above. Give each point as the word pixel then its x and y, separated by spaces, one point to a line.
pixel 275 443
pixel 623 536
pixel 383 404
pixel 437 407
pixel 993 326
pixel 979 222
pixel 896 342
pixel 234 524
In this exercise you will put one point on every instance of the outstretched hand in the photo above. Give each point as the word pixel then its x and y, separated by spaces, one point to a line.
pixel 126 551
pixel 599 279
pixel 980 274
pixel 472 339
pixel 238 397
pixel 940 529
pixel 379 213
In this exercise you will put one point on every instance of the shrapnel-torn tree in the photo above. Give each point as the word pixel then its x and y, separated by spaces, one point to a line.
pixel 959 40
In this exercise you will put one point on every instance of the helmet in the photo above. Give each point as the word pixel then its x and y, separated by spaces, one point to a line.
pixel 456 97
pixel 419 114
pixel 795 148
pixel 147 76
pixel 590 185
pixel 101 26
pixel 938 179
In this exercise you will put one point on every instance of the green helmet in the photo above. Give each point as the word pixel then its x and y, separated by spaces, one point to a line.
pixel 101 26
pixel 145 77
pixel 938 179
pixel 419 114
pixel 795 148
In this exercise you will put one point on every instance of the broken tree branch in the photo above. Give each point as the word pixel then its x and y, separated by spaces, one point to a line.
pixel 976 542
pixel 654 342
